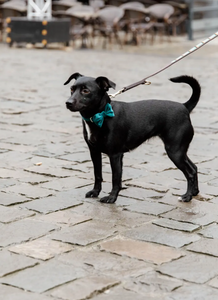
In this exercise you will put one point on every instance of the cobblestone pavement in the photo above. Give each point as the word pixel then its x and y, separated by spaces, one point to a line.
pixel 54 243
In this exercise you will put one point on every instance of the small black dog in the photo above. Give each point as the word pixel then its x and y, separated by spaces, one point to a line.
pixel 118 127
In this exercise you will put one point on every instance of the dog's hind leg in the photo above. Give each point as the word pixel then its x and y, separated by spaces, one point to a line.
pixel 97 163
pixel 195 189
pixel 181 160
pixel 116 162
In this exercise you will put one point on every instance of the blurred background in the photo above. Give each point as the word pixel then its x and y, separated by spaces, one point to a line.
pixel 102 23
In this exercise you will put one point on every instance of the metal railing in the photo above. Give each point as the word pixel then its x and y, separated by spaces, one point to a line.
pixel 203 18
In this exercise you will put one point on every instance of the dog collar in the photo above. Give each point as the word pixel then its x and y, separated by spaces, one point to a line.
pixel 98 118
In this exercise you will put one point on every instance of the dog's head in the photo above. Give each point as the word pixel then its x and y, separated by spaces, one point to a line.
pixel 87 91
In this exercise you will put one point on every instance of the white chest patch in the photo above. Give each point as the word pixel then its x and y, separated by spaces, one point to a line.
pixel 88 131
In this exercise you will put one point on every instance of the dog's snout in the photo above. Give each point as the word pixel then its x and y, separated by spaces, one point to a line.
pixel 74 104
pixel 69 103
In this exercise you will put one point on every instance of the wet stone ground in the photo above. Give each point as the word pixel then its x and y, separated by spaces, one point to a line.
pixel 55 243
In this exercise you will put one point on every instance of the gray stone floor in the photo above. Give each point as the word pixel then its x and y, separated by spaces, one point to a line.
pixel 54 243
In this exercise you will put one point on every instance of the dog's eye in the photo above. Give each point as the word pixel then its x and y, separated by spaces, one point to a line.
pixel 72 91
pixel 85 91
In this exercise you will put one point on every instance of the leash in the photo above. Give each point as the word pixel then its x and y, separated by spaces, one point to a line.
pixel 144 80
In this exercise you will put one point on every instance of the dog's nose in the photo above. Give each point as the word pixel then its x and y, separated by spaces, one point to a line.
pixel 68 104
pixel 69 101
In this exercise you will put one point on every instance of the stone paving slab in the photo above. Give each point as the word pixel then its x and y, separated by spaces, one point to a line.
pixel 10 214
pixel 205 246
pixel 210 231
pixel 4 183
pixel 29 191
pixel 141 250
pixel 49 171
pixel 112 214
pixel 84 288
pixel 93 231
pixel 141 194
pixel 66 184
pixel 22 231
pixel 142 183
pixel 63 217
pixel 143 290
pixel 150 208
pixel 97 262
pixel 193 268
pixel 10 263
pixel 172 224
pixel 214 282
pixel 153 282
pixel 43 277
pixel 116 293
pixel 13 293
pixel 8 199
pixel 62 200
pixel 43 249
pixel 10 173
pixel 164 236
pixel 191 216
pixel 54 241
pixel 191 292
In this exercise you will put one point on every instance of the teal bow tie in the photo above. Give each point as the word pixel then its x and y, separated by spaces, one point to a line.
pixel 98 118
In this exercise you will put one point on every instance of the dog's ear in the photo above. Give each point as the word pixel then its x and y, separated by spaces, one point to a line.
pixel 73 76
pixel 105 83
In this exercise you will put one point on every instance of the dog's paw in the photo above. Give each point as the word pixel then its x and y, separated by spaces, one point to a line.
pixel 92 194
pixel 195 191
pixel 185 198
pixel 108 199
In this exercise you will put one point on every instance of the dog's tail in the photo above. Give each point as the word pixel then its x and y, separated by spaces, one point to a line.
pixel 192 102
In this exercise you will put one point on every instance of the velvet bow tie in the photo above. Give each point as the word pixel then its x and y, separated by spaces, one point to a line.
pixel 98 118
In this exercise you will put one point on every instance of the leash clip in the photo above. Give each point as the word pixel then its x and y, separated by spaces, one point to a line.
pixel 124 89
pixel 115 94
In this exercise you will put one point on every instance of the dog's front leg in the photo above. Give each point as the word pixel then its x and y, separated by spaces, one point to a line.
pixel 116 162
pixel 97 163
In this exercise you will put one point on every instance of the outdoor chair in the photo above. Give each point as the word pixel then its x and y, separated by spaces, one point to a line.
pixel 14 8
pixel 84 12
pixel 81 24
pixel 160 17
pixel 62 5
pixel 96 4
pixel 147 3
pixel 107 24
pixel 133 4
pixel 179 17
pixel 135 23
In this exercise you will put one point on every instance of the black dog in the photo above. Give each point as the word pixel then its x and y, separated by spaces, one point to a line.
pixel 118 127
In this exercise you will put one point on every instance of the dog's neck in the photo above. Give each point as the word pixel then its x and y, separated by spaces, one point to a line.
pixel 99 107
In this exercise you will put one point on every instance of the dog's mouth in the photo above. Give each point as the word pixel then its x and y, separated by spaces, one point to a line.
pixel 70 107
pixel 74 107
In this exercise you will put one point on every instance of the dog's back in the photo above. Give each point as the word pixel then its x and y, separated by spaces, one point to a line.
pixel 141 120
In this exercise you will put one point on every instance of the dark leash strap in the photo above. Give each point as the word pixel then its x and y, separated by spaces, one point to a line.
pixel 144 80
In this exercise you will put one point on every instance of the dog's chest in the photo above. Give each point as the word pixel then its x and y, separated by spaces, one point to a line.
pixel 91 134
